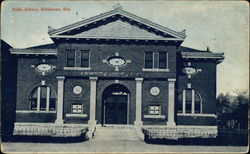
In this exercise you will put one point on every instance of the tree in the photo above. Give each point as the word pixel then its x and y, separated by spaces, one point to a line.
pixel 233 109
pixel 241 112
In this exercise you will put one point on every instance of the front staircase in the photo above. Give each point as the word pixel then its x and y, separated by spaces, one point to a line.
pixel 116 132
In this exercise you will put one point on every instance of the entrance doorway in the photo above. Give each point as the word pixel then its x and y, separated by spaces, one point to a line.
pixel 115 105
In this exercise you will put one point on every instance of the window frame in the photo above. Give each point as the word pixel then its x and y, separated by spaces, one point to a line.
pixel 88 59
pixel 67 58
pixel 155 61
pixel 184 102
pixel 37 100
pixel 165 60
pixel 145 61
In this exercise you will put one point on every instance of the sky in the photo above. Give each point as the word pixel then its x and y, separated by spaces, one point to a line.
pixel 223 26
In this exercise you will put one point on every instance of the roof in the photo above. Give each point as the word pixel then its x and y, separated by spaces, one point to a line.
pixel 46 49
pixel 44 46
pixel 50 49
pixel 187 49
pixel 2 43
pixel 118 11
pixel 189 53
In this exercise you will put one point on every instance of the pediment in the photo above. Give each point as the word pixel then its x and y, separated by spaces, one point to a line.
pixel 116 24
pixel 116 30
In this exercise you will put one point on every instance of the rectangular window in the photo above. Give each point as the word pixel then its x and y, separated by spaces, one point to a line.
pixel 84 58
pixel 43 95
pixel 188 107
pixel 70 58
pixel 179 107
pixel 148 59
pixel 33 104
pixel 162 60
pixel 52 105
pixel 197 107
pixel 188 101
pixel 155 109
pixel 76 108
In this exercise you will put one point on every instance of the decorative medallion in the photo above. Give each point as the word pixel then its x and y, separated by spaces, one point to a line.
pixel 77 90
pixel 44 68
pixel 116 61
pixel 189 70
pixel 154 91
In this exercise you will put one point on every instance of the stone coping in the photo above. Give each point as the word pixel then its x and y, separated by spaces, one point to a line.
pixel 50 129
pixel 177 132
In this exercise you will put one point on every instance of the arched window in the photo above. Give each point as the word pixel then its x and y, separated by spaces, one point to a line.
pixel 189 102
pixel 43 98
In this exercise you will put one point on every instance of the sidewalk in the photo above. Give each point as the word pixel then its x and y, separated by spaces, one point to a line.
pixel 113 146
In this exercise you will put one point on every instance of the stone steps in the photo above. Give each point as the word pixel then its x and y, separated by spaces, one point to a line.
pixel 119 132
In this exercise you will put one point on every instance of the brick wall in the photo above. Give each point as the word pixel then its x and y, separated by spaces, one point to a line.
pixel 27 80
pixel 100 52
pixel 204 82
pixel 71 98
pixel 149 99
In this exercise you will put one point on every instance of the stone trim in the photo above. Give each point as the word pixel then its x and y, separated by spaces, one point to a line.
pixel 60 78
pixel 33 111
pixel 155 116
pixel 76 68
pixel 33 51
pixel 55 32
pixel 138 79
pixel 49 129
pixel 171 80
pixel 155 70
pixel 196 126
pixel 174 133
pixel 77 115
pixel 92 106
pixel 202 55
pixel 171 103
pixel 197 115
pixel 60 94
pixel 138 101
pixel 93 78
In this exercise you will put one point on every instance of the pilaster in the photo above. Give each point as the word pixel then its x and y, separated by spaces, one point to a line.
pixel 92 110
pixel 60 95
pixel 171 102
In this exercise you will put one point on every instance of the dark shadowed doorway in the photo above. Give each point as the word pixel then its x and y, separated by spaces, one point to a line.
pixel 115 100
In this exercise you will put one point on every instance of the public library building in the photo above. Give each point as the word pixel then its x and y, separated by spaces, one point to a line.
pixel 116 69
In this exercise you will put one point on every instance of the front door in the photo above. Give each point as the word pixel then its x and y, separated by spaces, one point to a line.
pixel 116 109
pixel 115 105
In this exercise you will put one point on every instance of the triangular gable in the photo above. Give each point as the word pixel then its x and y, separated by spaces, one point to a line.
pixel 122 22
pixel 117 29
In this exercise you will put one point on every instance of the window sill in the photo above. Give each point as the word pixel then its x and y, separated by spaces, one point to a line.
pixel 33 111
pixel 76 115
pixel 155 70
pixel 196 115
pixel 154 116
pixel 76 68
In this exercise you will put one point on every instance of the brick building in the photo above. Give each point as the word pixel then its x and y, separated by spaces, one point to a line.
pixel 116 69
